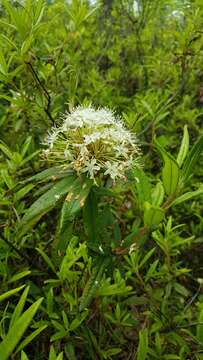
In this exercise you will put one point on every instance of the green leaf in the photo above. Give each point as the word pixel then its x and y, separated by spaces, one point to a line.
pixel 26 145
pixel 22 192
pixel 23 356
pixel 10 293
pixel 148 108
pixel 6 150
pixel 107 354
pixel 44 204
pixel 60 356
pixel 78 320
pixel 192 158
pixel 90 215
pixel 184 147
pixel 153 215
pixel 8 41
pixel 3 64
pixel 38 11
pixel 70 351
pixel 16 332
pixel 19 308
pixel 52 173
pixel 187 196
pixel 46 259
pixel 181 289
pixel 7 178
pixel 26 44
pixel 199 332
pixel 170 172
pixel 151 271
pixel 75 200
pixel 53 356
pixel 29 338
pixel 143 186
pixel 142 350
pixel 146 257
pixel 158 194
pixel 19 276
pixel 94 282
pixel 52 353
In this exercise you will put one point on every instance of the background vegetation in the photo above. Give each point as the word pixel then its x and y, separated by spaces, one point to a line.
pixel 143 60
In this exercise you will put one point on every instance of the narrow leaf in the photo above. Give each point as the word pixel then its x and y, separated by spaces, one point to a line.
pixel 6 150
pixel 29 338
pixel 184 147
pixel 143 186
pixel 10 293
pixel 23 356
pixel 19 308
pixel 94 282
pixel 16 332
pixel 52 173
pixel 158 194
pixel 44 204
pixel 153 215
pixel 22 192
pixel 170 172
pixel 90 214
pixel 143 345
pixel 200 327
pixel 74 201
pixel 46 259
pixel 19 276
pixel 192 158
pixel 187 196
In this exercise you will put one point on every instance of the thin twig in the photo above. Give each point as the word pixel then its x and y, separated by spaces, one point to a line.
pixel 47 108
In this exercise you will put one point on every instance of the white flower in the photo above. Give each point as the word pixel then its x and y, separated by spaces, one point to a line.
pixel 121 150
pixel 112 169
pixel 51 137
pixel 67 153
pixel 83 152
pixel 46 152
pixel 93 142
pixel 88 139
pixel 91 167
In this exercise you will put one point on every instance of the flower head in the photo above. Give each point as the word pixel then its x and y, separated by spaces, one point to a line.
pixel 92 142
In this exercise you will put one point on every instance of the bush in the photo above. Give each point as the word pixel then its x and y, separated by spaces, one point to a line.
pixel 101 268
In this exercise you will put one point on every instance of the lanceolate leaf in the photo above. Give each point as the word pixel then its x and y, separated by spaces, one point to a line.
pixel 187 196
pixel 44 204
pixel 90 215
pixel 170 172
pixel 142 350
pixel 17 330
pixel 158 194
pixel 74 201
pixel 192 158
pixel 10 293
pixel 23 356
pixel 30 337
pixel 153 215
pixel 184 147
pixel 19 308
pixel 52 173
pixel 199 332
pixel 143 186
pixel 94 282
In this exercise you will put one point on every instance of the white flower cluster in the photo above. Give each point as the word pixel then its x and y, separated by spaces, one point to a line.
pixel 93 142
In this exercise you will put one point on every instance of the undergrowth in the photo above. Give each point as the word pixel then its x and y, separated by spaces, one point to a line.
pixel 97 267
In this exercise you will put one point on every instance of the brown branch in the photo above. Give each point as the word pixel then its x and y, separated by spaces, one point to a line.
pixel 37 79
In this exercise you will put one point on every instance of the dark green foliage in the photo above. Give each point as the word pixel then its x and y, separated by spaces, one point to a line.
pixel 101 271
